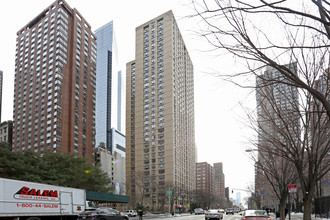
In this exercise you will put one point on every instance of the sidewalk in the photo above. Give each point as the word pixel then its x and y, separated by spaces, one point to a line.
pixel 297 216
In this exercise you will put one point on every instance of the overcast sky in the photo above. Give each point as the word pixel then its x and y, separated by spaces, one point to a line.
pixel 220 133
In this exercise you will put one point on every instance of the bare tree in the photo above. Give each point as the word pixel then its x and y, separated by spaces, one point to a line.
pixel 276 103
pixel 274 174
pixel 293 131
pixel 262 33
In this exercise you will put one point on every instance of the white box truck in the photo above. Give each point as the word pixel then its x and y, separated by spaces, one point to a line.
pixel 21 200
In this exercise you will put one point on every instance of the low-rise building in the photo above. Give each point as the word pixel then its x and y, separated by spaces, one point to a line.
pixel 114 165
pixel 6 132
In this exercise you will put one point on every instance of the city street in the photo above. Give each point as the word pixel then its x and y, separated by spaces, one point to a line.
pixel 186 216
pixel 202 217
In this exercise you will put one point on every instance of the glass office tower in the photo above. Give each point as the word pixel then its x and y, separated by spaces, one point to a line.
pixel 108 89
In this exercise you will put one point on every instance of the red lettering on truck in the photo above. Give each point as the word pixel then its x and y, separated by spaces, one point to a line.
pixel 36 192
pixel 53 193
pixel 24 191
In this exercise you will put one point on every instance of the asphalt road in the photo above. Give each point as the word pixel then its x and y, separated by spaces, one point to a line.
pixel 185 216
pixel 236 216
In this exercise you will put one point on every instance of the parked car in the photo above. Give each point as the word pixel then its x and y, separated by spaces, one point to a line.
pixel 199 211
pixel 229 211
pixel 130 213
pixel 222 211
pixel 255 215
pixel 101 214
pixel 213 213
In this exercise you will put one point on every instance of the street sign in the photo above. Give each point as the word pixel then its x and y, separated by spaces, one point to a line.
pixel 292 188
pixel 169 192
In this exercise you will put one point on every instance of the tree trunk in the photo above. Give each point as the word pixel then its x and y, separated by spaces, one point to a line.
pixel 307 208
pixel 282 210
pixel 284 196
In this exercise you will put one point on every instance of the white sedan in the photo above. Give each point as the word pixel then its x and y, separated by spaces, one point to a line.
pixel 213 213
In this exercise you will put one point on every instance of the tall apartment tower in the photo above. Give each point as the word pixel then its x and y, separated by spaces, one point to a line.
pixel 219 179
pixel 274 102
pixel 55 70
pixel 160 126
pixel 108 90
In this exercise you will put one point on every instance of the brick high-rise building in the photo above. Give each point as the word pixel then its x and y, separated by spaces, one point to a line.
pixel 160 126
pixel 54 100
pixel 205 178
pixel 219 180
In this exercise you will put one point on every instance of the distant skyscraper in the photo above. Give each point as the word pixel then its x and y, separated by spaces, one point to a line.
pixel 54 100
pixel 108 86
pixel 160 118
pixel 238 199
pixel 1 83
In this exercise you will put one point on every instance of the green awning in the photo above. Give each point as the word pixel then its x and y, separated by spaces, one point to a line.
pixel 106 197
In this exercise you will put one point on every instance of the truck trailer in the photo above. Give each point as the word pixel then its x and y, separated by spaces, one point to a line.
pixel 21 200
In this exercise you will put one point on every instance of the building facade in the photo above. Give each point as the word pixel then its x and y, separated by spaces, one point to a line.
pixel 320 126
pixel 160 127
pixel 205 178
pixel 110 142
pixel 118 142
pixel 219 180
pixel 6 131
pixel 108 90
pixel 276 103
pixel 113 163
pixel 55 78
pixel 227 193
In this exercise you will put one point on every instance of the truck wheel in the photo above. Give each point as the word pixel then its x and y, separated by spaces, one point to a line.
pixel 33 218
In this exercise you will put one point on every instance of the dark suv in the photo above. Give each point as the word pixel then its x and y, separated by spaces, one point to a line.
pixel 229 211
pixel 101 213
